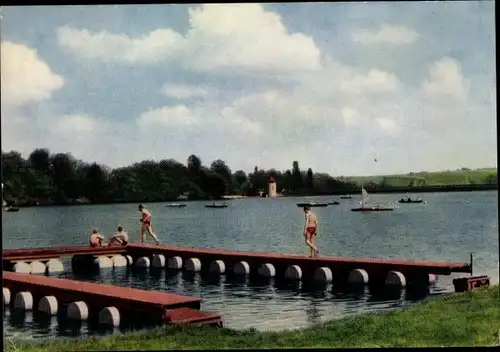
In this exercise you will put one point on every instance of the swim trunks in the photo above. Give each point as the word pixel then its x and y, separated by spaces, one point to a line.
pixel 311 230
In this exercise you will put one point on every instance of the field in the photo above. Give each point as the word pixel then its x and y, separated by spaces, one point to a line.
pixel 458 177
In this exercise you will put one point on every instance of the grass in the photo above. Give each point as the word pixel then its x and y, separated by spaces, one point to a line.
pixel 463 319
pixel 459 177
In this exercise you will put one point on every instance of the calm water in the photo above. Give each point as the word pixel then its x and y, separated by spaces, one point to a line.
pixel 447 228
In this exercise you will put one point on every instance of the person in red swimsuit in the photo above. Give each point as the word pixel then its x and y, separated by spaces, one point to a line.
pixel 311 230
pixel 146 224
pixel 96 240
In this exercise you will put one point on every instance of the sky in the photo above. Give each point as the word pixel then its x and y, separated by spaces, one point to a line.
pixel 343 88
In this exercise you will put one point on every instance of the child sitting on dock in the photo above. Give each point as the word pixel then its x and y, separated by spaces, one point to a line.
pixel 121 237
pixel 96 240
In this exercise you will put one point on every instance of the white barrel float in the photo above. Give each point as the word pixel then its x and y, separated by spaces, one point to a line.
pixel 432 279
pixel 293 272
pixel 24 300
pixel 175 262
pixel 143 262
pixel 192 264
pixel 54 266
pixel 241 268
pixel 217 267
pixel 267 270
pixel 109 316
pixel 22 267
pixel 118 261
pixel 395 278
pixel 158 261
pixel 358 276
pixel 78 311
pixel 323 274
pixel 130 260
pixel 6 296
pixel 103 262
pixel 37 267
pixel 48 305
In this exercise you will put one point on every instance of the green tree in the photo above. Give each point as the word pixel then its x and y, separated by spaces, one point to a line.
pixel 309 179
pixel 296 177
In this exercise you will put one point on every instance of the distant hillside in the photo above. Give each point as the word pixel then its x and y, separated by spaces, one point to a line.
pixel 459 177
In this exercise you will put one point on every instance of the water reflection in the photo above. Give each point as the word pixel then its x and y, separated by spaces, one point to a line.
pixel 244 301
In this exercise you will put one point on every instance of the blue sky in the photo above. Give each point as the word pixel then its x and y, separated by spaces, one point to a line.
pixel 332 85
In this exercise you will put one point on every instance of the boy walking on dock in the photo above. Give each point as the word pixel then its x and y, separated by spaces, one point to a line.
pixel 146 224
pixel 311 230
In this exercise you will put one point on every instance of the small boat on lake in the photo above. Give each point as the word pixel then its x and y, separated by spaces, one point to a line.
pixel 334 203
pixel 11 209
pixel 346 197
pixel 213 205
pixel 313 204
pixel 175 205
pixel 409 200
pixel 366 207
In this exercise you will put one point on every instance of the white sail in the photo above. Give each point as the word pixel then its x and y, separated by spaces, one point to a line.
pixel 364 195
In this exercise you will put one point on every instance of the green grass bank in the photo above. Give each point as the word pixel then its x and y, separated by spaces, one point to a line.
pixel 441 178
pixel 463 319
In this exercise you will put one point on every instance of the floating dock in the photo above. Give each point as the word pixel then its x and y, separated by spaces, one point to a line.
pixel 218 261
pixel 294 266
pixel 107 303
pixel 58 252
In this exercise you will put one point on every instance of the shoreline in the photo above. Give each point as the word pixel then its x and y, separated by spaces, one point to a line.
pixel 458 319
pixel 354 191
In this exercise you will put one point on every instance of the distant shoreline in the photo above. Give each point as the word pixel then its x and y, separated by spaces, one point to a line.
pixel 425 189
pixel 354 191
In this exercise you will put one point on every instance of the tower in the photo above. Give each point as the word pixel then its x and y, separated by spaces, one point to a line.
pixel 272 187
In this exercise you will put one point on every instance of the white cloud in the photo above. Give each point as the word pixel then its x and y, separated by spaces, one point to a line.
pixel 220 36
pixel 76 125
pixel 183 91
pixel 445 78
pixel 248 37
pixel 386 34
pixel 157 45
pixel 24 76
pixel 375 81
pixel 167 116
pixel 351 116
pixel 239 124
pixel 387 124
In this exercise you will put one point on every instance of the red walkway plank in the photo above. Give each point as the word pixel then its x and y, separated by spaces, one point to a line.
pixel 273 257
pixel 101 294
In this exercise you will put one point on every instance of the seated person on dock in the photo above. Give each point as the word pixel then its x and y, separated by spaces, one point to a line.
pixel 121 237
pixel 96 240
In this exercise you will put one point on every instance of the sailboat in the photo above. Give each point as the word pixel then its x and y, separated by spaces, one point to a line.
pixel 366 207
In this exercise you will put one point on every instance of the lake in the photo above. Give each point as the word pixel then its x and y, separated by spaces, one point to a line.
pixel 447 228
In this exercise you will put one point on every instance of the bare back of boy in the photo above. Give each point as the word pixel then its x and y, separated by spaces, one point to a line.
pixel 311 230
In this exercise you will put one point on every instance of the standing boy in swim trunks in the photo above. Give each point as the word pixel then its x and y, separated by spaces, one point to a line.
pixel 146 224
pixel 311 230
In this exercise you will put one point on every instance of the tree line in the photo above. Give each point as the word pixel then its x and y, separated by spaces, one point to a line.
pixel 46 178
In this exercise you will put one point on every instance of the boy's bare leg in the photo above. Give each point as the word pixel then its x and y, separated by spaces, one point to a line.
pixel 143 235
pixel 313 241
pixel 152 234
pixel 311 245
